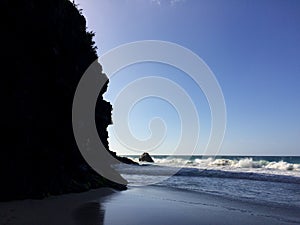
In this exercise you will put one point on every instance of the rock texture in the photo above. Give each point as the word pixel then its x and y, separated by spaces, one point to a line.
pixel 123 159
pixel 45 50
pixel 145 157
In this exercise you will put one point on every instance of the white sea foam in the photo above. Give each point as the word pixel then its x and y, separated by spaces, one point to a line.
pixel 242 165
pixel 282 166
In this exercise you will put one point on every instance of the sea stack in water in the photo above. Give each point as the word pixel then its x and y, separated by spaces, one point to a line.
pixel 145 157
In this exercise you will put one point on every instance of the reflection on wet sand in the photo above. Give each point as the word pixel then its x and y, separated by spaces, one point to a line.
pixel 90 213
pixel 79 209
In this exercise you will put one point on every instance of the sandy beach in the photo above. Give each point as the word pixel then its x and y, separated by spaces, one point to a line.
pixel 64 209
pixel 142 206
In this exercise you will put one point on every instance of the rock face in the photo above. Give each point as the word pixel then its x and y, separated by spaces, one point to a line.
pixel 123 159
pixel 46 49
pixel 145 157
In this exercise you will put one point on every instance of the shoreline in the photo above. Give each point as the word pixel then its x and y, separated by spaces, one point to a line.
pixel 176 206
pixel 143 206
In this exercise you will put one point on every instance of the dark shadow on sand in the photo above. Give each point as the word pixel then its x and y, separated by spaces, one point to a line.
pixel 91 213
pixel 80 209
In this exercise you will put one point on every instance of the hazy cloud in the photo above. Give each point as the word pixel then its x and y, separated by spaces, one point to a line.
pixel 168 2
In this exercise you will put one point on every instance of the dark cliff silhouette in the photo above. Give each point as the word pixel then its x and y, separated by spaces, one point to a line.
pixel 46 48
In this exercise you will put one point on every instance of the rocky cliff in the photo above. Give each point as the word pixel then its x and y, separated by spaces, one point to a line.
pixel 45 50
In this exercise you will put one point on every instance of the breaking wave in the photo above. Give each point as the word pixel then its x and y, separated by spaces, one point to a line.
pixel 225 163
pixel 242 168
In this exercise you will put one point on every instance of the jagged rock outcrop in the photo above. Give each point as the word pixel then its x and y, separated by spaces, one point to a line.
pixel 123 159
pixel 145 157
pixel 45 50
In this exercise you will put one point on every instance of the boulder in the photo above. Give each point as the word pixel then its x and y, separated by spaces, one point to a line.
pixel 145 157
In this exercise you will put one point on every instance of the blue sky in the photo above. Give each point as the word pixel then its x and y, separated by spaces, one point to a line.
pixel 253 48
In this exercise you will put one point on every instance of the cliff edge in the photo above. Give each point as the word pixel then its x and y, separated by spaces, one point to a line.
pixel 46 49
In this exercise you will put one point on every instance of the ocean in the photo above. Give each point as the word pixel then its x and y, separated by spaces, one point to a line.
pixel 267 180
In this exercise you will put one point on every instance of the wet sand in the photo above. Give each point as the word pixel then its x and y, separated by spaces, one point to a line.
pixel 79 208
pixel 158 205
pixel 143 206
